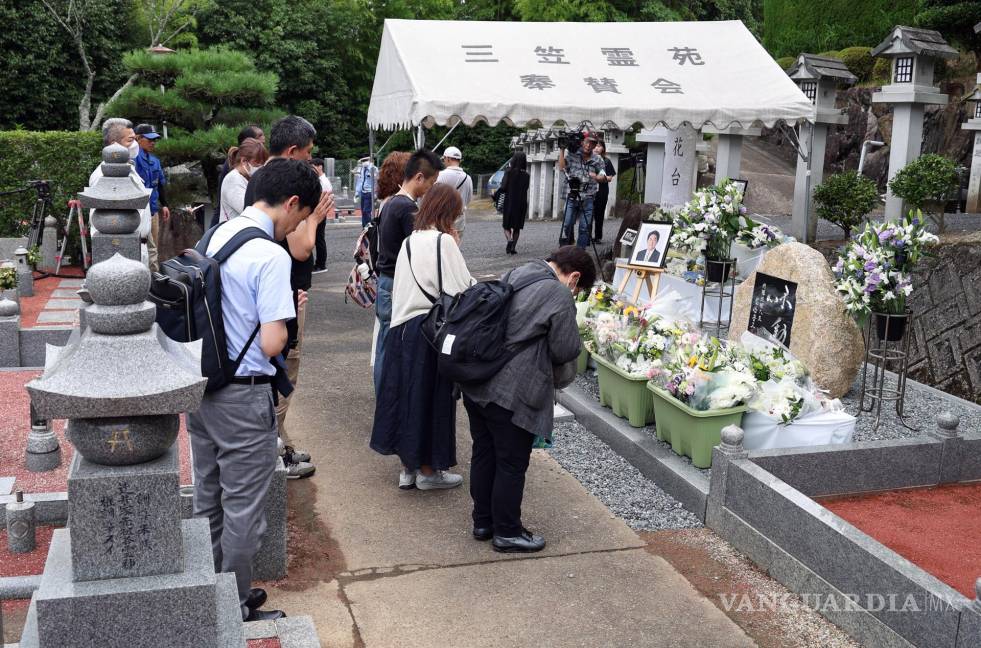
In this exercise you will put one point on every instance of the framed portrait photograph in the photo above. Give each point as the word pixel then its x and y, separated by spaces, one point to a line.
pixel 651 249
pixel 629 237
pixel 742 185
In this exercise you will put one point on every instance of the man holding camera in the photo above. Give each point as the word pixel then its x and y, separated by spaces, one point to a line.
pixel 584 171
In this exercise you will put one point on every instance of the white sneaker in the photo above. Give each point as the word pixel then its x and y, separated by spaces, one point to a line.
pixel 407 480
pixel 438 480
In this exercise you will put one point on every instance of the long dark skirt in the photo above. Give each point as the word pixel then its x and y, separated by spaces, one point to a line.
pixel 415 412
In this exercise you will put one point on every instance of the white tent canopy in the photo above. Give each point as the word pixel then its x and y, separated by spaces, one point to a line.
pixel 612 74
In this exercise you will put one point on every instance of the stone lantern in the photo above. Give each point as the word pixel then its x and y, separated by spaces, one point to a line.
pixel 25 274
pixel 127 571
pixel 818 78
pixel 913 53
pixel 116 199
pixel 973 123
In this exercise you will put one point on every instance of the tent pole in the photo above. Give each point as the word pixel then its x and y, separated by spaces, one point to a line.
pixel 420 137
pixel 452 128
pixel 374 175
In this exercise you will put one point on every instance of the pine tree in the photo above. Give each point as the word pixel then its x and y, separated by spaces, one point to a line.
pixel 203 96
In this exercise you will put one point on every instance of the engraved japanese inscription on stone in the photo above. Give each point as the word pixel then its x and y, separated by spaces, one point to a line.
pixel 771 314
pixel 126 529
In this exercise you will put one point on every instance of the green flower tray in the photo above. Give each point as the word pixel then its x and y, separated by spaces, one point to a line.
pixel 691 433
pixel 626 395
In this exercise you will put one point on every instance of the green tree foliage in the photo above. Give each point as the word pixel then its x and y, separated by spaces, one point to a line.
pixel 42 79
pixel 208 94
pixel 792 27
pixel 859 61
pixel 955 19
pixel 65 159
pixel 845 199
pixel 926 182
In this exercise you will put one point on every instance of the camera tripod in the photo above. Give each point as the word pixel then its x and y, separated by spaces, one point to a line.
pixel 43 206
pixel 568 237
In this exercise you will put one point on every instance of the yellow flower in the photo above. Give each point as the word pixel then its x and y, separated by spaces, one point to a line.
pixel 692 361
pixel 599 296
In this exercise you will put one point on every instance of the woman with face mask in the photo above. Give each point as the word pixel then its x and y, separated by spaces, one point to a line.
pixel 509 410
pixel 243 160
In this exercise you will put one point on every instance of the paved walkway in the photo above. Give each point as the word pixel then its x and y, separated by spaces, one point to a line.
pixel 379 567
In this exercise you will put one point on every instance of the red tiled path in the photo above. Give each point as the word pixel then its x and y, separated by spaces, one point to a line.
pixel 935 528
pixel 44 287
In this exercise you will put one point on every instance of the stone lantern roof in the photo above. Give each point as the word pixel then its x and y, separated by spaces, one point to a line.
pixel 977 28
pixel 812 66
pixel 912 40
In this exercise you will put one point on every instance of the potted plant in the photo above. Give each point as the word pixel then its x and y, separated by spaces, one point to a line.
pixel 874 272
pixel 712 218
pixel 845 199
pixel 700 392
pixel 926 184
pixel 8 282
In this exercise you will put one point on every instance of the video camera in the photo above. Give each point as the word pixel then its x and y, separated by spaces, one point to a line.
pixel 571 139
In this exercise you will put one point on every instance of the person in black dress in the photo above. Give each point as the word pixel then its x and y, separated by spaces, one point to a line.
pixel 515 188
pixel 603 195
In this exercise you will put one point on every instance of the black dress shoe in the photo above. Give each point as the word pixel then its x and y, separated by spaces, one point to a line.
pixel 483 533
pixel 257 598
pixel 265 615
pixel 527 542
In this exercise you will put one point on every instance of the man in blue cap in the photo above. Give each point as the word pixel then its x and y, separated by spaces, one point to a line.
pixel 149 168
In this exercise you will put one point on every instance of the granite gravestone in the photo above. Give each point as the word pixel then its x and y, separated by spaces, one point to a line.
pixel 127 572
pixel 825 337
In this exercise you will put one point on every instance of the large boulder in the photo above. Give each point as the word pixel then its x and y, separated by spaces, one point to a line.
pixel 823 336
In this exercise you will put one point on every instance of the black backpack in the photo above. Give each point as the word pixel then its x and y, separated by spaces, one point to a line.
pixel 468 330
pixel 187 292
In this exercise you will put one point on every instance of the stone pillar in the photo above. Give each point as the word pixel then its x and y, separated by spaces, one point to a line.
pixel 49 244
pixel 116 200
pixel 813 138
pixel 951 457
pixel 614 149
pixel 9 333
pixel 730 449
pixel 545 192
pixel 558 186
pixel 904 147
pixel 974 124
pixel 25 275
pixel 21 526
pixel 656 139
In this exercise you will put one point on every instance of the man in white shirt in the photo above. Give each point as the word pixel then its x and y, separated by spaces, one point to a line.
pixel 120 131
pixel 457 178
pixel 233 434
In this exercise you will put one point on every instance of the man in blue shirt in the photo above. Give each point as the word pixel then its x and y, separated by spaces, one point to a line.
pixel 364 188
pixel 233 433
pixel 149 167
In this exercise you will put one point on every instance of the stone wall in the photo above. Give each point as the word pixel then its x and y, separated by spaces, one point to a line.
pixel 946 343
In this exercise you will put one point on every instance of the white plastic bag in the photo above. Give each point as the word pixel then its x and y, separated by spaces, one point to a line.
pixel 673 306
pixel 818 428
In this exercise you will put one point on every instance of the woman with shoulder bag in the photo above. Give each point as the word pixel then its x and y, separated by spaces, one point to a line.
pixel 515 188
pixel 508 411
pixel 415 410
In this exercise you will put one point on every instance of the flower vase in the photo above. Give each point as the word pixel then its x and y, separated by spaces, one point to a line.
pixel 891 327
pixel 691 433
pixel 717 270
pixel 625 394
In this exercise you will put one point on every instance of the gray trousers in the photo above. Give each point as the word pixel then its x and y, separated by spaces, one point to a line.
pixel 233 439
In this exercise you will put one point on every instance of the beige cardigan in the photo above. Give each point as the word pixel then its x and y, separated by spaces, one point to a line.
pixel 407 300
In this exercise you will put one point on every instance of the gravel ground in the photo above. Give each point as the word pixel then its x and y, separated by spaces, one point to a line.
pixel 622 488
pixel 795 622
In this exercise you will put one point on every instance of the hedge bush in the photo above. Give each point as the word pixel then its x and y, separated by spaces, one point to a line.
pixel 859 61
pixel 65 159
pixel 882 70
pixel 845 199
pixel 786 61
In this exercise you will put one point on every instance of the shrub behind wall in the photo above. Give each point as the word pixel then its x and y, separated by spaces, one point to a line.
pixel 65 159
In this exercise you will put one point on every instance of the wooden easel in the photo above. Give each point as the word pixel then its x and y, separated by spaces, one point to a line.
pixel 651 277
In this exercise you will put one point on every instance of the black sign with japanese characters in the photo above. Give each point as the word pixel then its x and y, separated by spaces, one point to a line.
pixel 771 314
